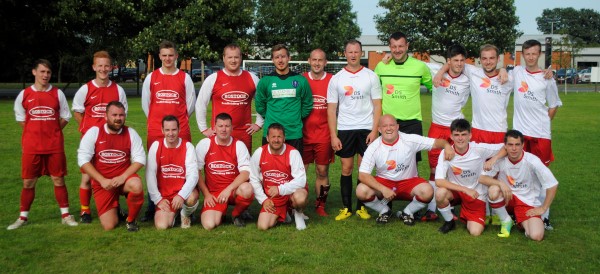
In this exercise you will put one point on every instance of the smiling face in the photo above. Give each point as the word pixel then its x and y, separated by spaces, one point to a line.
pixel 280 59
pixel 171 132
pixel 388 128
pixel 489 61
pixel 168 57
pixel 457 64
pixel 232 59
pixel 102 67
pixel 461 140
pixel 276 139
pixel 399 49
pixel 317 62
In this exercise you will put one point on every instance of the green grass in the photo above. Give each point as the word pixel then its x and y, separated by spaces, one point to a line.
pixel 327 246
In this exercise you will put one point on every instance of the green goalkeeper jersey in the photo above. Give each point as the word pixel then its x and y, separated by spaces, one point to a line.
pixel 401 84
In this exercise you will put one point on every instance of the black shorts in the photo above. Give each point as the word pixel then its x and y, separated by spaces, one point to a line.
pixel 353 141
pixel 296 143
pixel 411 127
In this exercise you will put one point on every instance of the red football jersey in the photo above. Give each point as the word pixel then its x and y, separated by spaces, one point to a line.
pixel 233 95
pixel 112 154
pixel 276 170
pixel 95 105
pixel 42 133
pixel 221 166
pixel 170 173
pixel 315 128
pixel 167 97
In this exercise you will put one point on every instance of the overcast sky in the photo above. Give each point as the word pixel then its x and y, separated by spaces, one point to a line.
pixel 527 10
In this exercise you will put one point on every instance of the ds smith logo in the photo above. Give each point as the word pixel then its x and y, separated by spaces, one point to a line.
pixel 167 95
pixel 171 169
pixel 99 109
pixel 235 96
pixel 112 155
pixel 276 176
pixel 485 82
pixel 41 112
pixel 221 166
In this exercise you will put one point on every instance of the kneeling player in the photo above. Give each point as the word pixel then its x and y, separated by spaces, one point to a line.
pixel 279 180
pixel 526 176
pixel 393 155
pixel 111 155
pixel 172 175
pixel 457 179
pixel 226 164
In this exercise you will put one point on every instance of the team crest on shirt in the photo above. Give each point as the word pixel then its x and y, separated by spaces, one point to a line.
pixel 235 96
pixel 167 95
pixel 171 170
pixel 485 82
pixel 389 89
pixel 112 156
pixel 295 83
pixel 524 87
pixel 99 109
pixel 221 167
pixel 41 112
pixel 275 176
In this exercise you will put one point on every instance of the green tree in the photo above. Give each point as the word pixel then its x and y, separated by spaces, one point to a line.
pixel 432 26
pixel 306 25
pixel 583 24
pixel 199 28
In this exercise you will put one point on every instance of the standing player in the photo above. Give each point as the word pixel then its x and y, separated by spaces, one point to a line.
pixel 226 164
pixel 279 180
pixel 172 176
pixel 353 111
pixel 535 105
pixel 89 109
pixel 231 91
pixel 111 155
pixel 284 97
pixel 447 102
pixel 457 179
pixel 393 157
pixel 317 142
pixel 167 91
pixel 42 110
pixel 526 176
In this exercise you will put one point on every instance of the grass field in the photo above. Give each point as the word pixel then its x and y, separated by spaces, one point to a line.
pixel 326 246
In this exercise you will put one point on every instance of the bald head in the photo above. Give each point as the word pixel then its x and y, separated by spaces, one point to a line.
pixel 317 62
pixel 388 128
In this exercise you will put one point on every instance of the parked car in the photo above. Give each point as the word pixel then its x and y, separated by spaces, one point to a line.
pixel 569 75
pixel 124 75
pixel 197 74
pixel 585 75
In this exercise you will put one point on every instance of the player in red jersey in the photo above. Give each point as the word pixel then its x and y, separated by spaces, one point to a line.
pixel 231 90
pixel 42 110
pixel 167 91
pixel 89 109
pixel 226 164
pixel 317 142
pixel 279 180
pixel 172 176
pixel 111 155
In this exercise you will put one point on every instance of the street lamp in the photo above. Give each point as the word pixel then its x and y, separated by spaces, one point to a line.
pixel 551 21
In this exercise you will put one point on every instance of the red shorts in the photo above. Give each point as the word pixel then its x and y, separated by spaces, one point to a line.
pixel 520 209
pixel 403 187
pixel 437 132
pixel 36 165
pixel 540 147
pixel 471 209
pixel 319 153
pixel 281 210
pixel 218 206
pixel 108 199
pixel 243 136
pixel 488 137
pixel 170 199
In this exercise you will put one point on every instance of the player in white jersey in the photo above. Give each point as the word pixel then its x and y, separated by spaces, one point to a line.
pixel 353 110
pixel 457 179
pixel 527 177
pixel 393 155
pixel 447 102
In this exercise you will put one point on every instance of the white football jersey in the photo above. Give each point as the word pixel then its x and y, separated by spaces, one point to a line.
pixel 449 98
